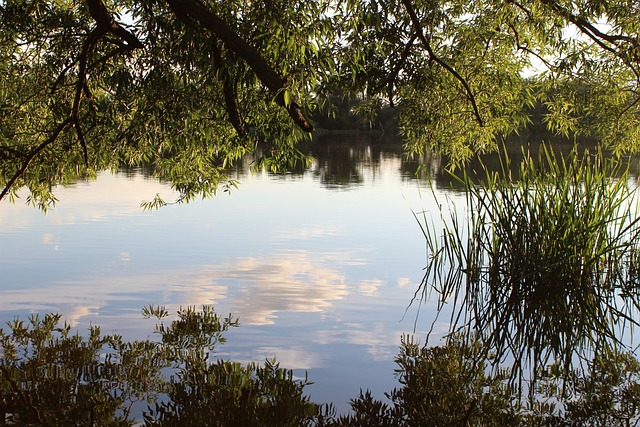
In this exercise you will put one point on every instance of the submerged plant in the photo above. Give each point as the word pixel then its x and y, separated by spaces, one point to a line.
pixel 543 267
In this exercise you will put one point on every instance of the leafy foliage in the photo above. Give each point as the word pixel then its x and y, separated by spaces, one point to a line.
pixel 190 87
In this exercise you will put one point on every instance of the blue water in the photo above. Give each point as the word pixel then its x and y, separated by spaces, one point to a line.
pixel 320 266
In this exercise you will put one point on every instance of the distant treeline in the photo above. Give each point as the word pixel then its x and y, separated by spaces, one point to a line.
pixel 356 113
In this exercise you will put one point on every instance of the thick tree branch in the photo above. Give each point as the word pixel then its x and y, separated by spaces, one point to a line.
pixel 105 22
pixel 276 84
pixel 230 93
pixel 418 27
pixel 398 65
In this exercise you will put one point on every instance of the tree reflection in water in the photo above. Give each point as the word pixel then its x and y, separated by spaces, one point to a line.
pixel 54 377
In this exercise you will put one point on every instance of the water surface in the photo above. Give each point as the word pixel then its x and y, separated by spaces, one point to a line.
pixel 319 266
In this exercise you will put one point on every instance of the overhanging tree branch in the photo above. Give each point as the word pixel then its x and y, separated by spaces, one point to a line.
pixel 104 24
pixel 32 155
pixel 230 92
pixel 276 83
pixel 418 27
pixel 622 46
pixel 90 43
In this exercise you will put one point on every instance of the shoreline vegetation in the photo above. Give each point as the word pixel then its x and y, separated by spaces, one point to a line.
pixel 54 376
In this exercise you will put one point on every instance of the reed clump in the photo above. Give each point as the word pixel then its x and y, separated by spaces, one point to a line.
pixel 542 266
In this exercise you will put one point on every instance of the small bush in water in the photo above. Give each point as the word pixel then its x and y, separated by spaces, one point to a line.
pixel 53 377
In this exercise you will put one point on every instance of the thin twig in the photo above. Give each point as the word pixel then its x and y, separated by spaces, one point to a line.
pixel 439 61
pixel 25 399
pixel 32 155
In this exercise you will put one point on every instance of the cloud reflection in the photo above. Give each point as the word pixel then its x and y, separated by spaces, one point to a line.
pixel 309 233
pixel 370 287
pixel 256 289
pixel 382 344
pixel 405 282
pixel 74 316
pixel 110 195
pixel 49 239
pixel 292 358
pixel 296 281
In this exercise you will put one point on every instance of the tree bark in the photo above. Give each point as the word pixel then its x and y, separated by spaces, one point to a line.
pixel 230 93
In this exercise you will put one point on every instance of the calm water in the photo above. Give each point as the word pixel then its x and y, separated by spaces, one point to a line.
pixel 319 266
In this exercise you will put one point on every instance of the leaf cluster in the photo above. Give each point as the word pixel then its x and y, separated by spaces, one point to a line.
pixel 191 87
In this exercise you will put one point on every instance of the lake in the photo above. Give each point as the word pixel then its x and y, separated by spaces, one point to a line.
pixel 320 266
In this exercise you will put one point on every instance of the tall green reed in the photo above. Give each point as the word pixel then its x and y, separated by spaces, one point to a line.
pixel 543 265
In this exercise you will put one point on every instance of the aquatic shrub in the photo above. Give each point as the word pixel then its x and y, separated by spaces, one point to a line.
pixel 539 268
pixel 50 376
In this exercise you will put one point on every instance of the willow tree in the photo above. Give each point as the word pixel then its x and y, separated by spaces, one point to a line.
pixel 187 87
